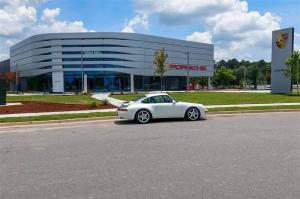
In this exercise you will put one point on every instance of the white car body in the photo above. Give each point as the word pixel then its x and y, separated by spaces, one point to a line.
pixel 170 109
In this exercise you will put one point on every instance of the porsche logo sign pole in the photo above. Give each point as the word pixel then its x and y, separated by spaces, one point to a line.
pixel 282 48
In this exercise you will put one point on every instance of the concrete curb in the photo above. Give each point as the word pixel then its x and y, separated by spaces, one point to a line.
pixel 64 121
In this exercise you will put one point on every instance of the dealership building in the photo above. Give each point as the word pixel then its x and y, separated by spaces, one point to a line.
pixel 106 61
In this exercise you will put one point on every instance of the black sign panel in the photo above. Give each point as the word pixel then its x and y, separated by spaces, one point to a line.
pixel 2 91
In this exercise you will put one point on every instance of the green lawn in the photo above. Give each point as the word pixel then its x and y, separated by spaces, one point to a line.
pixel 66 99
pixel 56 117
pixel 220 98
pixel 294 107
pixel 127 97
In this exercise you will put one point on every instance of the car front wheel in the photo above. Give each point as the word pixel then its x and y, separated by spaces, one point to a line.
pixel 143 116
pixel 193 114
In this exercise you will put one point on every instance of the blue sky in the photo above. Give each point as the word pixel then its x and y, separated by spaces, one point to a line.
pixel 238 29
pixel 110 15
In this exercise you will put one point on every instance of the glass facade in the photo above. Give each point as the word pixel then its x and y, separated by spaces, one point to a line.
pixel 152 83
pixel 94 59
pixel 91 52
pixel 102 81
pixel 93 66
pixel 97 81
pixel 42 83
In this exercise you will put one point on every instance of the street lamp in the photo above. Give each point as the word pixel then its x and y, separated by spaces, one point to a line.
pixel 81 62
pixel 17 79
pixel 188 71
pixel 244 82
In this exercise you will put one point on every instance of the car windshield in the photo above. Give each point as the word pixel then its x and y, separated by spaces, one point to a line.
pixel 139 98
pixel 173 98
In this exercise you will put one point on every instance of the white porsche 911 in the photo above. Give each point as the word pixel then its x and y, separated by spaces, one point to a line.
pixel 160 105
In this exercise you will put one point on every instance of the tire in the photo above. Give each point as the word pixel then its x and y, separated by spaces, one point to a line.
pixel 143 116
pixel 192 114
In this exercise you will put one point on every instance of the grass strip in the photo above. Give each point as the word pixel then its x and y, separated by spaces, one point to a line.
pixel 223 98
pixel 56 117
pixel 294 107
pixel 65 99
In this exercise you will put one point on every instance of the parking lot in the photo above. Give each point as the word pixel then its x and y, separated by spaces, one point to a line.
pixel 227 156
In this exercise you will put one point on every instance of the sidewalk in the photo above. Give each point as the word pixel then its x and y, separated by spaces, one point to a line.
pixel 55 113
pixel 105 96
pixel 11 104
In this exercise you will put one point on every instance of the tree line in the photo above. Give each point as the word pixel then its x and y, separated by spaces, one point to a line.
pixel 237 74
pixel 227 74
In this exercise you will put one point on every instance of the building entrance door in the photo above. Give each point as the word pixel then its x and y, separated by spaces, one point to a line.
pixel 109 83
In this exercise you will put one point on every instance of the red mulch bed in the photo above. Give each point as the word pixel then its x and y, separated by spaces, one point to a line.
pixel 36 107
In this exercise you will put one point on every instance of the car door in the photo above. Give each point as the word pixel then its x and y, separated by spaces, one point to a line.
pixel 164 107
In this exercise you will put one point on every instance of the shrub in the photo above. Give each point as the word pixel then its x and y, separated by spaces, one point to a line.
pixel 93 105
pixel 105 102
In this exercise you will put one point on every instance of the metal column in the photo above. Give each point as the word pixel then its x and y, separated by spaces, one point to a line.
pixel 131 83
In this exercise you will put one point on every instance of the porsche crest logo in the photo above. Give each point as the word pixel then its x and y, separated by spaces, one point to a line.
pixel 282 40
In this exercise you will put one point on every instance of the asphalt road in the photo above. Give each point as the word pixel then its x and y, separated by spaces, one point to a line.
pixel 226 157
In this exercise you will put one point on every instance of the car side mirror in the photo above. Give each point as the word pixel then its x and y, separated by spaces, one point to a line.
pixel 174 102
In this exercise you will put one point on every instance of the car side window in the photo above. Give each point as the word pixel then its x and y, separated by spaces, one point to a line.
pixel 148 100
pixel 162 99
pixel 159 99
pixel 167 99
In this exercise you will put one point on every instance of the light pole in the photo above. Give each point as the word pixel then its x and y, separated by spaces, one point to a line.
pixel 17 79
pixel 244 83
pixel 81 62
pixel 188 71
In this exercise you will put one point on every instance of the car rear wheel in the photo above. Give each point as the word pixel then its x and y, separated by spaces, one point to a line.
pixel 192 114
pixel 143 116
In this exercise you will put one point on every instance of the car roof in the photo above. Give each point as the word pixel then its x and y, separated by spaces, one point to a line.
pixel 155 94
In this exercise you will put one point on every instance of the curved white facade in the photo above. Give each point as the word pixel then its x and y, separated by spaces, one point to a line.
pixel 105 54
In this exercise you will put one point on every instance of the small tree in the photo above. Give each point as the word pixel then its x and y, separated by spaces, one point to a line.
pixel 202 81
pixel 160 58
pixel 292 68
pixel 224 76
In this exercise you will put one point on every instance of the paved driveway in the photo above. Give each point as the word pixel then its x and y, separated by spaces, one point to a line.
pixel 226 157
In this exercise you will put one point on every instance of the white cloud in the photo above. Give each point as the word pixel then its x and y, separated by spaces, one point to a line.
pixel 18 20
pixel 9 43
pixel 50 24
pixel 204 37
pixel 182 11
pixel 234 30
pixel 137 21
pixel 49 15
pixel 14 19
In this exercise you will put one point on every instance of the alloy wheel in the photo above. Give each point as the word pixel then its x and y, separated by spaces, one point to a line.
pixel 193 114
pixel 143 116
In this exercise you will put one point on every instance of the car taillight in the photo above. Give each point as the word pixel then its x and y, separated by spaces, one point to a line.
pixel 122 109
